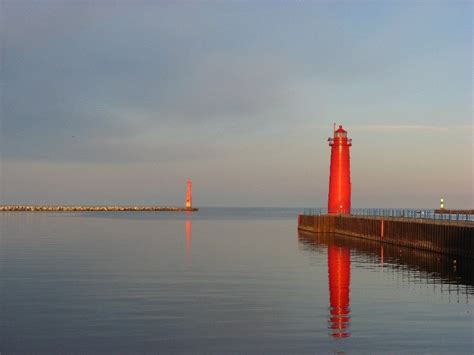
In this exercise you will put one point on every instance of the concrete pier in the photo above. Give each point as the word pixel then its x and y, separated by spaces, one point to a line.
pixel 41 208
pixel 452 238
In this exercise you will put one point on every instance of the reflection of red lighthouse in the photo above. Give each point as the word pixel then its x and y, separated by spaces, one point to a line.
pixel 339 200
pixel 188 235
pixel 189 197
pixel 339 267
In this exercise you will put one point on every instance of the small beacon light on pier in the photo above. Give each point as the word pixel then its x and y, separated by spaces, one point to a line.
pixel 441 203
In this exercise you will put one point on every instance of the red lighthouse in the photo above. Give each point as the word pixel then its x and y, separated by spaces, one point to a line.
pixel 339 200
pixel 189 197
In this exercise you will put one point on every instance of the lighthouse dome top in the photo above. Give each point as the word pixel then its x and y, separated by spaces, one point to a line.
pixel 340 132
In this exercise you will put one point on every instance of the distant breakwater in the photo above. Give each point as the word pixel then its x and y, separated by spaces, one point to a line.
pixel 41 208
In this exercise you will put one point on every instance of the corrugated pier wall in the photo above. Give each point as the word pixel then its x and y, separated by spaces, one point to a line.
pixel 435 236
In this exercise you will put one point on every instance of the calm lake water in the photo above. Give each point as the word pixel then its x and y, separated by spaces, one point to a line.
pixel 221 281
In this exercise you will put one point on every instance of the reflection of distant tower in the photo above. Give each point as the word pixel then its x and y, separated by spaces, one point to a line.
pixel 339 267
pixel 381 254
pixel 189 197
pixel 188 235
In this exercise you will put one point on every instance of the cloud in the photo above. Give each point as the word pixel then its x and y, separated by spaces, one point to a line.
pixel 88 98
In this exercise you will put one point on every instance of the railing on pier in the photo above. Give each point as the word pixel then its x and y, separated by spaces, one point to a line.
pixel 419 214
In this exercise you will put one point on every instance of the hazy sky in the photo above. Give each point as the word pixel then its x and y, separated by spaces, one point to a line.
pixel 122 101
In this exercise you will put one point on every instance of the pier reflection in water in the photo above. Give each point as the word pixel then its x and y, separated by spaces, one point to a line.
pixel 448 275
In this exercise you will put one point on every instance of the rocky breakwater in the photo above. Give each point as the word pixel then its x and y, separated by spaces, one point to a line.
pixel 37 208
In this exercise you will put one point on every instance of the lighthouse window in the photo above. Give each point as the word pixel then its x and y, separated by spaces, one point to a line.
pixel 340 134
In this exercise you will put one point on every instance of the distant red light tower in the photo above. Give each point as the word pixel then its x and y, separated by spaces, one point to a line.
pixel 339 199
pixel 189 197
